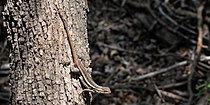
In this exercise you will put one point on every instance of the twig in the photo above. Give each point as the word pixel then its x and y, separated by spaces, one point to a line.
pixel 200 30
pixel 3 47
pixel 189 83
pixel 173 85
pixel 203 65
pixel 174 22
pixel 151 74
pixel 171 95
pixel 117 48
pixel 159 93
pixel 180 93
pixel 204 58
pixel 4 69
pixel 167 26
pixel 198 50
pixel 123 3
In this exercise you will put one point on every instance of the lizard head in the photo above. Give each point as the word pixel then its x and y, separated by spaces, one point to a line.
pixel 104 90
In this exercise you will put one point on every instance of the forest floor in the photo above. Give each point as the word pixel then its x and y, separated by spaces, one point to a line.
pixel 148 52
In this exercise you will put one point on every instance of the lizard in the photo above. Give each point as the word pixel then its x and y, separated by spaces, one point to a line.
pixel 87 81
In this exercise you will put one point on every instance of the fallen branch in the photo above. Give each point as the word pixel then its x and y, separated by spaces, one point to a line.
pixel 151 74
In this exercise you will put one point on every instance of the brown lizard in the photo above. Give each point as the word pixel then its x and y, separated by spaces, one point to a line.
pixel 88 81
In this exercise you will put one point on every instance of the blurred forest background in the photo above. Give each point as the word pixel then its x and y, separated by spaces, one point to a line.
pixel 149 52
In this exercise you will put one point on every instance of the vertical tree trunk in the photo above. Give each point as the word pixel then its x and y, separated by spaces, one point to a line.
pixel 40 49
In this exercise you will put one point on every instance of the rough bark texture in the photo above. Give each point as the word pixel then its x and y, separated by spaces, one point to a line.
pixel 39 50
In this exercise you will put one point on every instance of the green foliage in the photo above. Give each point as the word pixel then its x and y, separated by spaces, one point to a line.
pixel 208 85
pixel 203 87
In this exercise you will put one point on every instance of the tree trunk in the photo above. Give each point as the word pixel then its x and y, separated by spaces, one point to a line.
pixel 40 50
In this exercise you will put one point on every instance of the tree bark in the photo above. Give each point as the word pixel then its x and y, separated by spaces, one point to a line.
pixel 40 50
